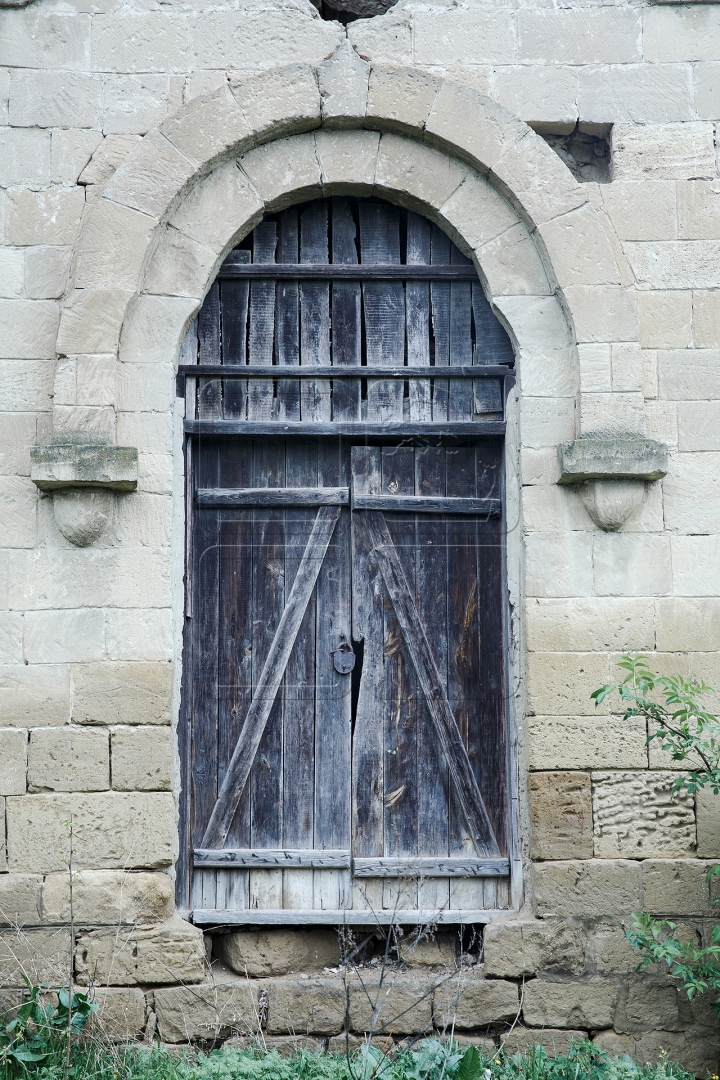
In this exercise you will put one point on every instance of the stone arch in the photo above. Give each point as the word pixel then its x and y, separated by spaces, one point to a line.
pixel 155 238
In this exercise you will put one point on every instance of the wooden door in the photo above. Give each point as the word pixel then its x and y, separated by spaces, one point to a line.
pixel 344 737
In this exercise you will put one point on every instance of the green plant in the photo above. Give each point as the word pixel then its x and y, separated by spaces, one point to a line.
pixel 689 734
pixel 38 1029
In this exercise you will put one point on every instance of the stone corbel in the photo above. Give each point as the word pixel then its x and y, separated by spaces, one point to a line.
pixel 612 473
pixel 83 481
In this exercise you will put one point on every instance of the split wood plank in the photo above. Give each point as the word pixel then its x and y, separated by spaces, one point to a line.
pixel 273 858
pixel 384 308
pixel 308 429
pixel 346 313
pixel 234 299
pixel 324 271
pixel 210 390
pixel 492 347
pixel 420 867
pixel 286 496
pixel 270 677
pixel 287 317
pixel 487 371
pixel 426 504
pixel 315 313
pixel 262 324
pixel 417 303
pixel 460 403
pixel 440 301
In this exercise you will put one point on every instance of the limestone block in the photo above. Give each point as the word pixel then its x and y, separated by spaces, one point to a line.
pixel 109 896
pixel 385 41
pixel 632 564
pixel 60 637
pixel 578 249
pixel 101 258
pixel 662 151
pixel 550 373
pixel 554 1041
pixel 208 127
pixel 135 104
pixel 41 955
pixel 539 466
pixel 280 101
pixel 83 424
pixel 121 1014
pixel 169 952
pixel 561 683
pixel 3 847
pixel 687 624
pixel 521 90
pixel 12 272
pixel 10 644
pixel 33 695
pixel 534 322
pixel 588 36
pixel 560 815
pixel 151 177
pixel 18 508
pixel 113 830
pixel 472 211
pixel 602 313
pixel 46 272
pixel 706 319
pixel 609 952
pixel 343 82
pixel 689 375
pixel 679 264
pixel 141 759
pixel 38 99
pixel 690 489
pixel 68 759
pixel 559 565
pixel 592 887
pixel 698 209
pixel 533 174
pixel 649 376
pixel 312 1006
pixel 428 178
pixel 347 165
pixel 636 816
pixel 403 1004
pixel 428 951
pixel 66 578
pixel 587 1004
pixel 515 949
pixel 72 149
pixel 692 1049
pixel 627 365
pixel 707 90
pixel 151 433
pixel 145 387
pixel 13 761
pixel 143 41
pixel 462 118
pixel 51 216
pixel 284 170
pixel 91 321
pixel 510 265
pixel 676 887
pixel 483 1043
pixel 650 1005
pixel 289 1045
pixel 400 99
pixel 30 328
pixel 590 625
pixel 226 186
pixel 18 432
pixel 474 1003
pixel 215 1009
pixel 144 635
pixel 243 39
pixel 547 422
pixel 39 39
pixel 24 156
pixel 10 1002
pixel 106 157
pixel 708 823
pixel 696 571
pixel 641 94
pixel 180 266
pixel 259 953
pixel 20 899
pixel 665 319
pixel 612 414
pixel 642 210
pixel 457 36
pixel 677 33
pixel 155 328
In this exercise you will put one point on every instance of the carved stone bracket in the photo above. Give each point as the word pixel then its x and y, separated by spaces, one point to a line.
pixel 612 473
pixel 83 481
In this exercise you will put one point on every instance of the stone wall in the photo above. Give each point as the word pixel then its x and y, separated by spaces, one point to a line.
pixel 89 638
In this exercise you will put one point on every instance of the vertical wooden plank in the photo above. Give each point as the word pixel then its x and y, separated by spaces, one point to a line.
pixel 492 346
pixel 460 403
pixel 189 355
pixel 210 390
pixel 287 317
pixel 417 301
pixel 346 314
pixel 315 313
pixel 368 596
pixel 234 316
pixel 384 307
pixel 401 692
pixel 268 604
pixel 299 689
pixel 431 599
pixel 261 331
pixel 235 651
pixel 333 691
pixel 440 298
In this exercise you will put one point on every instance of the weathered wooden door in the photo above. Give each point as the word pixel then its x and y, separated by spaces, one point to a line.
pixel 344 733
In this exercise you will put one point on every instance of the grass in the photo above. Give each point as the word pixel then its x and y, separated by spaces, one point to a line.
pixel 430 1060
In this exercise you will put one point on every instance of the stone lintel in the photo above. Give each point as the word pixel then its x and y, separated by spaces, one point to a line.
pixel 59 466
pixel 611 457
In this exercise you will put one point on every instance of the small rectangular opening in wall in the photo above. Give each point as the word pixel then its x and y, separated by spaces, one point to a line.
pixel 584 147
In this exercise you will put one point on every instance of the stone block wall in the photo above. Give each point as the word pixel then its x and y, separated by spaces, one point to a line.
pixel 89 645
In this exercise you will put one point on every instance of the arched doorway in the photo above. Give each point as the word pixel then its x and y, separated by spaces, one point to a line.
pixel 343 734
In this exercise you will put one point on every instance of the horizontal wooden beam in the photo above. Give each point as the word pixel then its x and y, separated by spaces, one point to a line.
pixel 219 428
pixel 324 272
pixel 427 504
pixel 273 497
pixel 314 371
pixel 424 867
pixel 271 858
pixel 314 917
